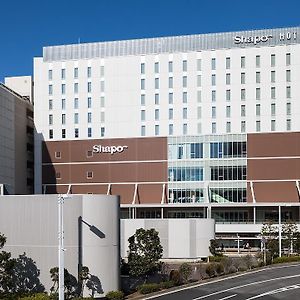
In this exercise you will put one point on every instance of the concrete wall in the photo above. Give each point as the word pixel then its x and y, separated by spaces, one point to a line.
pixel 21 84
pixel 180 238
pixel 30 224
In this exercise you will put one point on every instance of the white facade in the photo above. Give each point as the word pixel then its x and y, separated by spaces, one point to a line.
pixel 21 84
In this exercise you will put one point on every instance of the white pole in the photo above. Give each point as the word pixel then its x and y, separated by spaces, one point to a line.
pixel 61 267
pixel 279 219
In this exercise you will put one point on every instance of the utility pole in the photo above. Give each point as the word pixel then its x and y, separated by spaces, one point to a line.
pixel 61 263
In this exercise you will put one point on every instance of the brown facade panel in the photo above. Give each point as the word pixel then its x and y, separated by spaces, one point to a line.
pixel 89 189
pixel 273 144
pixel 126 192
pixel 150 193
pixel 273 169
pixel 274 192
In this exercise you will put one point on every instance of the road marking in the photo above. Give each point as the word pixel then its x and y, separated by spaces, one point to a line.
pixel 219 280
pixel 277 291
pixel 228 297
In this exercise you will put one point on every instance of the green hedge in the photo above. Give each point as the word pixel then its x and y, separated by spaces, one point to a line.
pixel 148 288
pixel 167 284
pixel 285 259
pixel 115 295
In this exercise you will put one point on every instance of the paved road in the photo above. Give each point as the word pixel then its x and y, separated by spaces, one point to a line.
pixel 280 282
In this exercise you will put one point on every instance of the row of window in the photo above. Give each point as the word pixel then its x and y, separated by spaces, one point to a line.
pixel 184 68
pixel 76 118
pixel 75 103
pixel 75 88
pixel 76 132
pixel 75 73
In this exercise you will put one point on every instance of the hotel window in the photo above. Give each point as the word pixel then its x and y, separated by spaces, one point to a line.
pixel 170 113
pixel 102 131
pixel 63 73
pixel 89 117
pixel 243 94
pixel 76 88
pixel 228 111
pixel 199 112
pixel 156 67
pixel 76 132
pixel 273 78
pixel 257 93
pixel 243 78
pixel 63 133
pixel 243 110
pixel 75 73
pixel 50 104
pixel 170 66
pixel 213 63
pixel 228 95
pixel 156 99
pixel 184 97
pixel 273 109
pixel 184 129
pixel 142 68
pixel 288 75
pixel 243 62
pixel 198 96
pixel 288 108
pixel 89 87
pixel 170 82
pixel 199 128
pixel 272 60
pixel 273 92
pixel 102 85
pixel 102 101
pixel 198 80
pixel 184 65
pixel 142 84
pixel 213 96
pixel 228 127
pixel 50 72
pixel 143 130
pixel 101 71
pixel 63 104
pixel 257 78
pixel 184 113
pixel 57 154
pixel 227 62
pixel 184 81
pixel 89 174
pixel 213 127
pixel 257 126
pixel 199 64
pixel 50 119
pixel 50 89
pixel 288 92
pixel 288 59
pixel 257 110
pixel 257 61
pixel 63 119
pixel 288 124
pixel 213 79
pixel 273 125
pixel 156 114
pixel 170 98
pixel 63 88
pixel 156 129
pixel 89 153
pixel 89 102
pixel 89 132
pixel 76 103
pixel 102 116
pixel 143 115
pixel 76 118
pixel 50 133
pixel 57 175
pixel 243 126
pixel 89 72
pixel 228 78
pixel 213 112
pixel 143 100
pixel 171 129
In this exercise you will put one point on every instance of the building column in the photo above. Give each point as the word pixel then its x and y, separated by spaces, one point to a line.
pixel 254 215
pixel 279 228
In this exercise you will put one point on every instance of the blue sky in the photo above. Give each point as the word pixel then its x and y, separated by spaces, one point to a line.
pixel 27 26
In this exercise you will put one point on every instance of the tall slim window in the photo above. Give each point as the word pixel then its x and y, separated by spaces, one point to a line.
pixel 257 126
pixel 273 109
pixel 213 96
pixel 170 98
pixel 156 113
pixel 63 104
pixel 243 62
pixel 50 73
pixel 272 60
pixel 213 79
pixel 184 81
pixel 198 80
pixel 76 73
pixel 76 103
pixel 228 111
pixel 143 100
pixel 170 113
pixel 50 120
pixel 273 125
pixel 171 129
pixel 213 63
pixel 243 126
pixel 50 106
pixel 89 132
pixel 257 61
pixel 228 127
pixel 89 87
pixel 63 119
pixel 156 99
pixel 170 82
pixel 75 87
pixel 273 78
pixel 76 132
pixel 143 115
pixel 102 131
pixel 63 133
pixel 184 65
pixel 288 92
pixel 273 92
pixel 143 130
pixel 288 75
pixel 213 112
pixel 243 94
pixel 257 93
pixel 288 59
pixel 101 71
pixel 213 127
pixel 199 112
pixel 102 101
pixel 156 83
pixel 288 108
pixel 156 67
pixel 50 89
pixel 76 118
pixel 199 96
pixel 227 62
pixel 102 116
pixel 257 110
pixel 170 66
pixel 184 128
pixel 63 88
pixel 142 84
pixel 63 74
pixel 89 72
pixel 50 133
pixel 89 102
pixel 243 78
pixel 288 124
pixel 257 77
pixel 228 95
pixel 184 97
pixel 243 110
pixel 228 78
pixel 198 64
pixel 89 117
pixel 156 130
pixel 142 68
pixel 184 113
pixel 102 85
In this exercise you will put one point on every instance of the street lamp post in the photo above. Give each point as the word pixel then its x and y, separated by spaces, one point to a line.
pixel 61 267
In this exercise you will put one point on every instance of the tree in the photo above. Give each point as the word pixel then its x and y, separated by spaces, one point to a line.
pixel 214 245
pixel 269 233
pixel 185 271
pixel 145 251
pixel 289 233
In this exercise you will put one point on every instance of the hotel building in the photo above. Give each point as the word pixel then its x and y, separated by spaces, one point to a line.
pixel 181 127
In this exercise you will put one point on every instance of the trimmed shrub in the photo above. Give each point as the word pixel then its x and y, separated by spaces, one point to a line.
pixel 115 295
pixel 217 258
pixel 148 288
pixel 175 277
pixel 219 268
pixel 185 271
pixel 210 269
pixel 38 296
pixel 285 259
pixel 167 284
pixel 232 269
